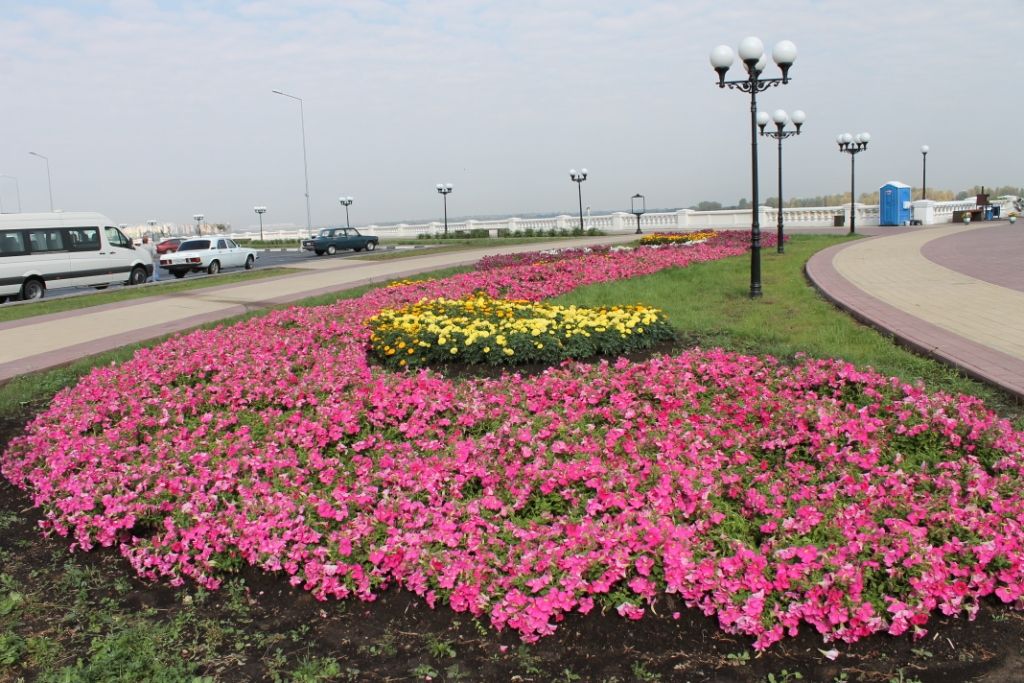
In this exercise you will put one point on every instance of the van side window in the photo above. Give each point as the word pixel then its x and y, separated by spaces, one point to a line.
pixel 46 240
pixel 12 243
pixel 82 239
pixel 116 238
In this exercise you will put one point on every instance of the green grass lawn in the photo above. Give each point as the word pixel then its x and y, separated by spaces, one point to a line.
pixel 34 308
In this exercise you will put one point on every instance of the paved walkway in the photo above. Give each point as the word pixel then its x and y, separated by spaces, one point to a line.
pixel 953 292
pixel 48 341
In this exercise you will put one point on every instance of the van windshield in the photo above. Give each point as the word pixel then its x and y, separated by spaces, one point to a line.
pixel 193 245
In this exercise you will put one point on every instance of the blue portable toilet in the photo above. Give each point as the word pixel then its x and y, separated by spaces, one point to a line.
pixel 894 204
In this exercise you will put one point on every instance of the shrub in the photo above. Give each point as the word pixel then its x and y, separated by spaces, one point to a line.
pixel 677 237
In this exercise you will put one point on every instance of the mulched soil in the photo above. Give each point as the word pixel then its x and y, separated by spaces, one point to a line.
pixel 397 635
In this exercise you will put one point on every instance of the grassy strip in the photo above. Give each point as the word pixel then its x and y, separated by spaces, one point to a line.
pixel 709 304
pixel 71 303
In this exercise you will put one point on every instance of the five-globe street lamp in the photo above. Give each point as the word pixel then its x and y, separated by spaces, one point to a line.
pixel 852 145
pixel 579 178
pixel 751 53
pixel 198 219
pixel 260 210
pixel 347 202
pixel 638 207
pixel 444 190
pixel 17 190
pixel 924 171
pixel 781 118
pixel 305 165
pixel 49 184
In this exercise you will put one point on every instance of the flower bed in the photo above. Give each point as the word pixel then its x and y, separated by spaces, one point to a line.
pixel 769 496
pixel 479 329
pixel 677 237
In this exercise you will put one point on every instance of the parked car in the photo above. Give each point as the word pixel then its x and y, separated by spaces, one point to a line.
pixel 330 240
pixel 169 245
pixel 210 254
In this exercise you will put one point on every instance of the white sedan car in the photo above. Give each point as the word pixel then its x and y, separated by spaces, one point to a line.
pixel 210 254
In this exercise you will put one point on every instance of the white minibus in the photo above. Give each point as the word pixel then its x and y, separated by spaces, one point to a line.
pixel 40 251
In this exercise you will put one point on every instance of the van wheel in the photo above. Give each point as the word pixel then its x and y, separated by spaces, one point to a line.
pixel 138 276
pixel 250 262
pixel 214 268
pixel 331 250
pixel 370 246
pixel 32 289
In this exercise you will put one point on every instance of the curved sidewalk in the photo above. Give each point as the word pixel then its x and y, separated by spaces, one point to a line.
pixel 955 293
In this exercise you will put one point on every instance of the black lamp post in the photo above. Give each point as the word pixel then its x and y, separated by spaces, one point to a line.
pixel 781 117
pixel 578 178
pixel 853 145
pixel 260 210
pixel 751 52
pixel 346 202
pixel 445 190
pixel 924 171
pixel 638 204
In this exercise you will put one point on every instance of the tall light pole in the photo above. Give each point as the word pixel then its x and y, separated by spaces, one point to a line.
pixel 751 51
pixel 151 223
pixel 305 166
pixel 924 171
pixel 260 210
pixel 579 179
pixel 445 190
pixel 852 145
pixel 781 118
pixel 638 207
pixel 347 202
pixel 17 190
pixel 198 218
pixel 49 184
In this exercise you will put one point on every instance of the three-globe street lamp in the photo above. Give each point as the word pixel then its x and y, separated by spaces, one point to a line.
pixel 579 178
pixel 49 184
pixel 198 219
pixel 638 207
pixel 17 190
pixel 444 190
pixel 781 118
pixel 260 210
pixel 852 145
pixel 305 165
pixel 347 202
pixel 751 52
pixel 924 171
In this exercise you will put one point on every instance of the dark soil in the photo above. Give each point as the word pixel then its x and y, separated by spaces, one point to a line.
pixel 273 629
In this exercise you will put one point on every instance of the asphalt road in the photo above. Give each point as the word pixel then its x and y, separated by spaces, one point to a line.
pixel 267 259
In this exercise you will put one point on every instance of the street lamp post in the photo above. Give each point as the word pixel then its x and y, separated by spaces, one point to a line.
pixel 49 184
pixel 924 171
pixel 781 117
pixel 853 145
pixel 638 207
pixel 198 219
pixel 305 166
pixel 445 190
pixel 152 224
pixel 347 202
pixel 260 210
pixel 579 178
pixel 17 191
pixel 751 52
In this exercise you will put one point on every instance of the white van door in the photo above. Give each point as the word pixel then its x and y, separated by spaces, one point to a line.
pixel 88 266
pixel 120 253
pixel 49 256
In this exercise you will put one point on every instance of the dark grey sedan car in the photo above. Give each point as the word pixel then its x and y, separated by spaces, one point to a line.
pixel 331 240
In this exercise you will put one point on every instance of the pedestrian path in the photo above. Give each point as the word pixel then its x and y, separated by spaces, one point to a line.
pixel 49 341
pixel 953 292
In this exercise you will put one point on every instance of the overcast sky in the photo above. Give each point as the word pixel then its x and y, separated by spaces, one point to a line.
pixel 158 109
